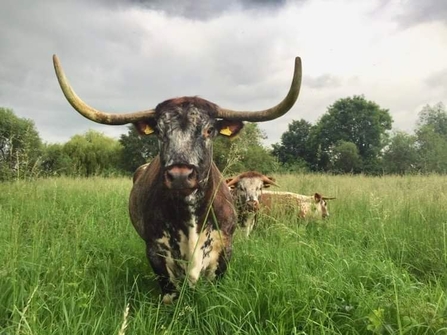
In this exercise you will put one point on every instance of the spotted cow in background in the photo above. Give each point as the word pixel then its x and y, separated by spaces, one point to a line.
pixel 307 206
pixel 246 189
pixel 179 204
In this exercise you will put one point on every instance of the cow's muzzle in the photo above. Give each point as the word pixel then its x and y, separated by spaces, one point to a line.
pixel 181 177
pixel 252 205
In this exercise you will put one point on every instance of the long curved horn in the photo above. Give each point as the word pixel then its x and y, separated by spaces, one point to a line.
pixel 269 181
pixel 90 112
pixel 271 113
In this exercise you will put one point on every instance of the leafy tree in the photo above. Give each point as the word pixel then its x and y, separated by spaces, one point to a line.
pixel 431 134
pixel 137 149
pixel 354 120
pixel 93 153
pixel 294 147
pixel 56 161
pixel 434 117
pixel 345 157
pixel 245 152
pixel 432 149
pixel 20 146
pixel 401 156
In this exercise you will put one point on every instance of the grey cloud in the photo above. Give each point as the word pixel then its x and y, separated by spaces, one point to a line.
pixel 323 81
pixel 203 10
pixel 437 80
pixel 420 11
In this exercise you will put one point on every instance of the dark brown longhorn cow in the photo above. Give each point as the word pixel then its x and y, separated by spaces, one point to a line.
pixel 179 204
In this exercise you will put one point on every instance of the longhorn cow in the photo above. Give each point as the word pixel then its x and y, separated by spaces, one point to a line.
pixel 179 204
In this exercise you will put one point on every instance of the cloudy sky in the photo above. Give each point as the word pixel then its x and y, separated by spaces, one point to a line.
pixel 128 55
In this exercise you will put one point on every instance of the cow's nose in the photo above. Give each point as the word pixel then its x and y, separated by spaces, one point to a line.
pixel 252 205
pixel 180 177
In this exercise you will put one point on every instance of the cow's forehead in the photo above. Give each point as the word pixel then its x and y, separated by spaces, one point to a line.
pixel 251 183
pixel 186 109
pixel 190 117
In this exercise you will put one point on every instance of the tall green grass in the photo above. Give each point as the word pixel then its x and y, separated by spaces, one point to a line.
pixel 71 263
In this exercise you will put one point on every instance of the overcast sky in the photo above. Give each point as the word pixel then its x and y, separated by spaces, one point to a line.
pixel 128 55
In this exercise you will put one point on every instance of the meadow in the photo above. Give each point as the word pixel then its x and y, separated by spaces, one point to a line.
pixel 71 263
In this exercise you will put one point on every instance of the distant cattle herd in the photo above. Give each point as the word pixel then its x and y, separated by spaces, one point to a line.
pixel 180 204
pixel 251 198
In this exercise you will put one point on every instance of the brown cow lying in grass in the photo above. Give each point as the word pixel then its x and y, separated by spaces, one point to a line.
pixel 250 198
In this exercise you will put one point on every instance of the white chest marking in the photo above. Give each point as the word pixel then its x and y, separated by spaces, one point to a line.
pixel 199 252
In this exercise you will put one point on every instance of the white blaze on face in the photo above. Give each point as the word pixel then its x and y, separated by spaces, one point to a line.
pixel 181 137
pixel 182 145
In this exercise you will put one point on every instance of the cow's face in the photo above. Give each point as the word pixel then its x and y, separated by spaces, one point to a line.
pixel 186 128
pixel 247 188
pixel 321 207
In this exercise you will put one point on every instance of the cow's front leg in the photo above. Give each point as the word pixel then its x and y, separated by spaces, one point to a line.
pixel 162 263
pixel 250 222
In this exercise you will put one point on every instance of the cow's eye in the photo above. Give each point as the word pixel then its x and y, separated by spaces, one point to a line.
pixel 210 131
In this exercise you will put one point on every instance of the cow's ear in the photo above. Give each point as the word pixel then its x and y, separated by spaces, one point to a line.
pixel 145 127
pixel 317 197
pixel 229 128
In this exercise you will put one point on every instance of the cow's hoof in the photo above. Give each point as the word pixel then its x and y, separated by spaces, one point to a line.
pixel 169 298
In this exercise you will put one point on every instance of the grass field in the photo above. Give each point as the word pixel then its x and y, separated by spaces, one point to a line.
pixel 71 263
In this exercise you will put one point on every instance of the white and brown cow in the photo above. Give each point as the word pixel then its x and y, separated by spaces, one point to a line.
pixel 246 189
pixel 179 204
pixel 250 196
pixel 306 206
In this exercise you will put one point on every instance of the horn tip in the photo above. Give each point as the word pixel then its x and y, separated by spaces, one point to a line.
pixel 55 60
pixel 298 62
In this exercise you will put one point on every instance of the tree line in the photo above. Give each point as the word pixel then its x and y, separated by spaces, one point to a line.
pixel 353 136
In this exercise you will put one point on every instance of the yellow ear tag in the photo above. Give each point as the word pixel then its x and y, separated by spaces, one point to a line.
pixel 226 131
pixel 147 130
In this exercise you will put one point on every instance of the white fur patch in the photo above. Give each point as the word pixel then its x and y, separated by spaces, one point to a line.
pixel 200 258
pixel 170 262
pixel 250 222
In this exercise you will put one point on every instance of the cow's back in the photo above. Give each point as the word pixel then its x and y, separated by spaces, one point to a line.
pixel 288 202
